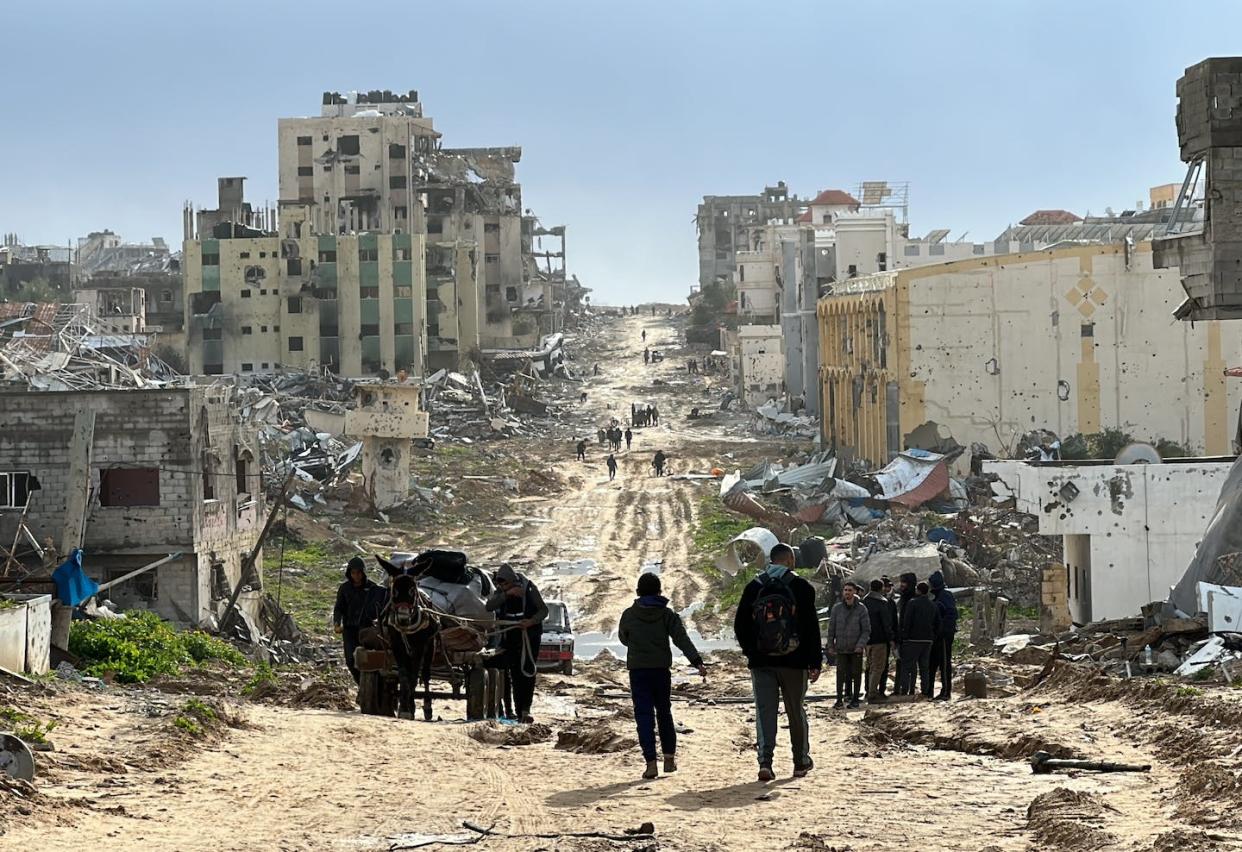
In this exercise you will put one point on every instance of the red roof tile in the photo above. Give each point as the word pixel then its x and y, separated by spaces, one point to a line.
pixel 835 197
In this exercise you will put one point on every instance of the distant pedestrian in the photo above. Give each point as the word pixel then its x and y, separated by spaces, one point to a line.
pixel 655 416
pixel 583 397
pixel 603 435
pixel 906 585
pixel 612 467
pixel 596 371
pixel 777 628
pixel 920 624
pixel 646 352
pixel 645 630
pixel 644 335
pixel 582 451
pixel 658 461
pixel 849 629
pixel 883 616
pixel 942 648
pixel 629 437
pixel 633 412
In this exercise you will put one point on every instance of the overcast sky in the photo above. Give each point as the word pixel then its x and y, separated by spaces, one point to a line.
pixel 627 112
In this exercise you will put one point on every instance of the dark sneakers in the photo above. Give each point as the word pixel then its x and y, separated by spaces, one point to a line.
pixel 670 764
pixel 766 774
pixel 801 771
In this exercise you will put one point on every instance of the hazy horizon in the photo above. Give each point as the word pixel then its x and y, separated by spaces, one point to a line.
pixel 626 116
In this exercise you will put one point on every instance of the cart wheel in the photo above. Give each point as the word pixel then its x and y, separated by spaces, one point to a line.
pixel 476 684
pixel 370 687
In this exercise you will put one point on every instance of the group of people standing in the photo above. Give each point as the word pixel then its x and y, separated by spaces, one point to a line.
pixel 648 415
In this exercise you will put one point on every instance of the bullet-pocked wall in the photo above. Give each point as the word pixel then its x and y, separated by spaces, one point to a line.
pixel 1073 340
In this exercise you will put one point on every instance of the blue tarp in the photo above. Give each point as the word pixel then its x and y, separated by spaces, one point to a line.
pixel 72 584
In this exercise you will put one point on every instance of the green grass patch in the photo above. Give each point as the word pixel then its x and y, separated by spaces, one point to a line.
pixel 196 718
pixel 24 726
pixel 5 603
pixel 1027 613
pixel 307 589
pixel 142 646
pixel 714 528
pixel 1188 691
pixel 263 676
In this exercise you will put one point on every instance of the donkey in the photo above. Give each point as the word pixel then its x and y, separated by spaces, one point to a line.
pixel 409 629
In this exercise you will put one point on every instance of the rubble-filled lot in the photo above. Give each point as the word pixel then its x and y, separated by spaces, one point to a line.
pixel 282 762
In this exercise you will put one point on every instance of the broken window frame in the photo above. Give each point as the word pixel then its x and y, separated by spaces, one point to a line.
pixel 128 487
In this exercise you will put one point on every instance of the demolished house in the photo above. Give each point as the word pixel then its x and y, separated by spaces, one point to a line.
pixel 132 477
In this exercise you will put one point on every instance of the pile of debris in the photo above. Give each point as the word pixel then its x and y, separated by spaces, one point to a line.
pixel 910 516
pixel 770 419
pixel 53 347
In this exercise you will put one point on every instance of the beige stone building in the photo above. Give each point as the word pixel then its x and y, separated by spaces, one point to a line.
pixel 1072 339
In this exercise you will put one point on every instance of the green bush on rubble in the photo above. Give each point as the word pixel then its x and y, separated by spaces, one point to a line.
pixel 142 646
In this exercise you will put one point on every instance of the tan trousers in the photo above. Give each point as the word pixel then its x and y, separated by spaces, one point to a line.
pixel 877 668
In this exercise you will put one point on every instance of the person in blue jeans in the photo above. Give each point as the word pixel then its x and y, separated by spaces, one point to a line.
pixel 645 630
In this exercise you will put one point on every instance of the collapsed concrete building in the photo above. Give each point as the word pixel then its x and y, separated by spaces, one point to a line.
pixel 133 477
pixel 386 252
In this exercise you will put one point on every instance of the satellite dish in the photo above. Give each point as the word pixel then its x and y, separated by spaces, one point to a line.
pixel 1138 453
pixel 16 761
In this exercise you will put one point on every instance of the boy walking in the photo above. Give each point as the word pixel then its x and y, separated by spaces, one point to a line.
pixel 645 629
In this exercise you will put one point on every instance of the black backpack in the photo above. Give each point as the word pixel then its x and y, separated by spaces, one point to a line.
pixel 775 616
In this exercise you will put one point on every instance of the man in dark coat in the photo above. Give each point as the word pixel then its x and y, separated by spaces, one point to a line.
pixel 612 467
pixel 883 617
pixel 356 607
pixel 920 625
pixel 942 648
pixel 582 451
pixel 629 437
pixel 905 592
pixel 517 599
pixel 782 672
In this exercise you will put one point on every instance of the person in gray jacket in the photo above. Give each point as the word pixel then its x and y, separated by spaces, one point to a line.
pixel 645 630
pixel 849 629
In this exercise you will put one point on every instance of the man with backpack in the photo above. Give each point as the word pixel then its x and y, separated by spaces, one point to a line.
pixel 849 630
pixel 777 628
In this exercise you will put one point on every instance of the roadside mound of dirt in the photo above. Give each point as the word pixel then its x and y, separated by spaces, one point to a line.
pixel 1069 819
pixel 1181 840
pixel 968 733
pixel 300 690
pixel 494 733
pixel 1209 793
pixel 593 738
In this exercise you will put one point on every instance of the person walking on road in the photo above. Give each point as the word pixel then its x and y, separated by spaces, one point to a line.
pixel 920 624
pixel 645 630
pixel 581 450
pixel 612 467
pixel 644 335
pixel 646 352
pixel 942 648
pixel 849 630
pixel 777 628
pixel 658 461
pixel 882 614
pixel 357 605
pixel 629 437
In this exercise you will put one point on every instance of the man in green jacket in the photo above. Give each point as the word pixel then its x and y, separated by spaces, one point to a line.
pixel 645 630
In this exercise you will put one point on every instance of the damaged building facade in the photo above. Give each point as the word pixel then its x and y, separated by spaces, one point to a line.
pixel 134 476
pixel 956 344
pixel 386 252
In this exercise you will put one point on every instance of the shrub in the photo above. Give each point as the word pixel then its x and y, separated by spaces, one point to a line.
pixel 142 646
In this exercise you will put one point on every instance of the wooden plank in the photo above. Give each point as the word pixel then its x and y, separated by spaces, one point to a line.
pixel 78 498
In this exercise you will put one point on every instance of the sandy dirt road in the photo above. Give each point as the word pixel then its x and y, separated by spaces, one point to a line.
pixel 910 777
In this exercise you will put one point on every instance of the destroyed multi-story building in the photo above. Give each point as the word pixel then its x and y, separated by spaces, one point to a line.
pixel 134 477
pixel 727 223
pixel 22 265
pixel 1072 339
pixel 1207 248
pixel 105 262
pixel 387 252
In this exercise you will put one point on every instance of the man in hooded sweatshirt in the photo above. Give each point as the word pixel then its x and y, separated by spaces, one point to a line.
pixel 355 608
pixel 517 599
pixel 777 628
pixel 849 630
pixel 905 592
pixel 645 630
pixel 942 648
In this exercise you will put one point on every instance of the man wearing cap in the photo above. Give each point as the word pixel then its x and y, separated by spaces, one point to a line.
pixel 355 608
pixel 517 600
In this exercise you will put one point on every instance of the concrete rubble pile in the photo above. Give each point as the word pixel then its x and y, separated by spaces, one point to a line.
pixel 769 419
pixel 910 516
pixel 54 347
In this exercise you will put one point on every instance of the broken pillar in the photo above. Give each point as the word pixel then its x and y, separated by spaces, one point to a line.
pixel 1206 244
pixel 1054 611
pixel 387 418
